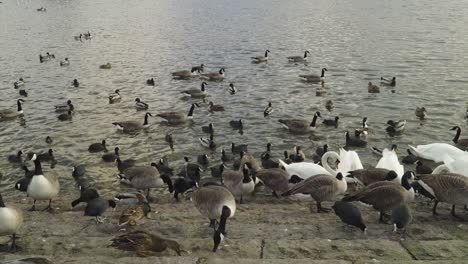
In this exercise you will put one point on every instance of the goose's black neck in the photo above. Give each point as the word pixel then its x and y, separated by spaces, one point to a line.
pixel 203 87
pixel 314 121
pixel 266 54
pixel 457 136
pixel 226 212
pixel 405 183
pixel 247 178
pixel 37 167
pixel 305 54
pixel 20 108
pixel 146 119
pixel 2 204
pixel 190 113
pixel 323 73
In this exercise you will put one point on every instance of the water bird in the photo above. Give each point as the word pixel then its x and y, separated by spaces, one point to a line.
pixel 299 58
pixel 314 77
pixel 410 158
pixel 215 76
pixel 420 112
pixel 130 198
pixel 16 158
pixel 65 107
pixel 349 214
pixel 66 116
pixel 215 107
pixel 395 126
pixel 462 143
pixel 238 148
pixel 42 187
pixel 115 97
pixel 97 207
pixel 200 68
pixel 76 83
pixel 208 129
pixel 140 105
pixel 436 151
pixel 86 195
pixel 185 73
pixel 132 126
pixel 364 130
pixel 106 66
pixel 197 93
pixel 329 105
pixel 11 114
pixel 371 175
pixel 237 124
pixel 355 142
pixel 143 243
pixel 47 156
pixel 239 183
pixel 331 122
pixel 401 217
pixel 372 88
pixel 150 82
pixel 42 9
pixel 49 140
pixel 422 169
pixel 170 140
pixel 278 180
pixel 300 125
pixel 23 92
pixel 65 62
pixel 225 157
pixel 232 89
pixel 260 59
pixel 208 142
pixel 203 160
pixel 111 157
pixel 178 117
pixel 134 213
pixel 18 83
pixel 11 220
pixel 387 82
pixel 268 109
pixel 98 147
pixel 124 164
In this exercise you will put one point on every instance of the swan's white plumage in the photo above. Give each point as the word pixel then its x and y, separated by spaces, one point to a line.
pixel 303 169
pixel 436 151
pixel 390 161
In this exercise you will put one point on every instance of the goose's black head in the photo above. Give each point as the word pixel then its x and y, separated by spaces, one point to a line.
pixel 339 176
pixel 318 114
pixel 391 175
pixel 455 128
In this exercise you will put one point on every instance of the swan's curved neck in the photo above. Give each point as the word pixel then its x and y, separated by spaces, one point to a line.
pixel 440 169
pixel 325 161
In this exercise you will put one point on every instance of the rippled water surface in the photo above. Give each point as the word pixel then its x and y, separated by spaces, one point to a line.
pixel 422 43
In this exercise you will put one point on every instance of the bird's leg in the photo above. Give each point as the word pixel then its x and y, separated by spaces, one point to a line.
pixel 213 224
pixel 176 196
pixel 100 220
pixel 33 208
pixel 381 218
pixel 49 207
pixel 320 209
pixel 241 201
pixel 275 194
pixel 13 247
pixel 434 209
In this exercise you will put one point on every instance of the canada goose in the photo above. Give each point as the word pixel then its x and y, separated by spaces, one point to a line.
pixel 238 148
pixel 396 126
pixel 10 114
pixel 170 140
pixel 143 243
pixel 130 198
pixel 106 66
pixel 65 107
pixel 197 93
pixel 401 217
pixel 372 88
pixel 321 150
pixel 268 110
pixel 132 126
pixel 331 122
pixel 208 129
pixel 349 214
pixel 237 124
pixel 47 156
pixel 420 112
pixel 86 195
pixel 97 207
pixel 390 161
pixel 200 68
pixel 98 147
pixel 150 82
pixel 355 142
pixel 239 183
pixel 369 176
pixel 140 105
pixel 65 62
pixel 410 158
pixel 76 83
pixel 321 188
pixel 115 97
pixel 276 179
pixel 203 160
pixel 268 163
pixel 16 158
pixel 436 151
pixel 208 142
pixel 164 168
pixel 260 59
pixel 66 116
pixel 178 117
pixel 181 185
pixel 10 221
pixel 42 187
pixel 267 151
pixel 185 73
pixel 462 143
pixel 225 157
pixel 232 89
pixel 299 58
pixel 23 92
pixel 23 183
pixel 329 105
pixel 215 202
pixel 145 178
pixel 251 162
pixel 111 157
pixel 237 162
pixel 132 214
pixel 384 196
pixel 448 188
pixel 125 164
pixel 300 125
pixel 388 82
pixel 422 169
pixel 216 108
pixel 314 77
pixel 18 83
pixel 364 130
pixel 215 76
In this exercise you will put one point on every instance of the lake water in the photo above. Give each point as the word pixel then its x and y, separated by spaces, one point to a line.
pixel 422 43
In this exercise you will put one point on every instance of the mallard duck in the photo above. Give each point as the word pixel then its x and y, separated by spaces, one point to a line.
pixel 10 221
pixel 420 112
pixel 144 243
pixel 140 105
pixel 98 147
pixel 150 82
pixel 65 107
pixel 299 58
pixel 300 125
pixel 115 97
pixel 132 214
pixel 216 108
pixel 388 82
pixel 10 114
pixel 132 126
pixel 18 83
pixel 66 116
pixel 329 105
pixel 372 88
pixel 232 89
pixel 215 76
pixel 268 109
pixel 105 66
pixel 65 62
pixel 395 126
pixel 314 77
pixel 260 59
pixel 185 73
pixel 196 93
pixel 208 142
pixel 178 117
pixel 364 130
pixel 132 198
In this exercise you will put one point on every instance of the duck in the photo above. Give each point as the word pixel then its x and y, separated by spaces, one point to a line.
pixel 200 68
pixel 364 130
pixel 215 76
pixel 267 151
pixel 208 129
pixel 170 140
pixel 49 140
pixel 225 157
pixel 124 164
pixel 236 124
pixel 268 163
pixel 86 195
pixel 276 179
pixel 372 88
pixel 75 83
pixel 185 73
pixel 420 112
pixel 354 142
pixel 106 66
pixel 97 207
pixel 115 97
pixel 299 58
pixel 65 107
pixel 401 217
pixel 190 171
pixel 18 83
pixel 260 59
pixel 11 114
pixel 47 156
pixel 268 109
pixel 349 214
pixel 331 122
pixel 436 151
pixel 461 143
pixel 321 188
pixel 140 105
pixel 66 116
pixel 217 204
pixel 42 187
pixel 395 126
pixel 65 62
pixel 390 161
pixel 300 125
pixel 132 126
pixel 178 117
pixel 42 9
pixel 111 157
pixel 143 243
pixel 78 37
pixel 23 92
pixel 130 198
pixel 239 183
pixel 11 220
pixel 132 214
pixel 298 156
pixel 98 147
pixel 448 188
pixel 387 82
pixel 208 142
pixel 422 169
pixel 197 93
pixel 238 148
pixel 314 77
pixel 145 178
pixel 150 82
pixel 329 105
pixel 87 35
pixel 203 160
pixel 216 108
pixel 232 89
pixel 371 175
pixel 16 158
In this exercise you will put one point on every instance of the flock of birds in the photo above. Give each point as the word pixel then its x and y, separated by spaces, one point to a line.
pixel 387 187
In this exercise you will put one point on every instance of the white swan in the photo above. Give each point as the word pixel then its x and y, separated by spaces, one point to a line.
pixel 436 151
pixel 303 169
pixel 348 161
pixel 390 161
pixel 458 165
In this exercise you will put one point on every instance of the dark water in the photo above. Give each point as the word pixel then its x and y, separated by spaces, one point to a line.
pixel 422 43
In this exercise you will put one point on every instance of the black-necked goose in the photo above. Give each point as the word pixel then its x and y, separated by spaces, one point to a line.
pixel 372 88
pixel 371 175
pixel 115 97
pixel 178 117
pixel 395 126
pixel 140 105
pixel 299 58
pixel 232 89
pixel 18 83
pixel 65 107
pixel 47 156
pixel 132 126
pixel 237 124
pixel 23 92
pixel 208 142
pixel 387 82
pixel 422 168
pixel 215 76
pixel 268 109
pixel 462 143
pixel 200 68
pixel 260 59
pixel 355 142
pixel 10 114
pixel 239 183
pixel 331 122
pixel 65 62
pixel 10 221
pixel 203 160
pixel 98 147
pixel 66 116
pixel 215 107
pixel 150 82
pixel 42 187
pixel 106 66
pixel 420 112
pixel 97 207
pixel 197 93
pixel 349 214
pixel 300 125
pixel 75 83
pixel 185 73
pixel 208 129
pixel 111 157
pixel 16 158
pixel 314 77
pixel 274 178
